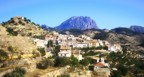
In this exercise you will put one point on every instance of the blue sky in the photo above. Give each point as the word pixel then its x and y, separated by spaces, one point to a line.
pixel 107 13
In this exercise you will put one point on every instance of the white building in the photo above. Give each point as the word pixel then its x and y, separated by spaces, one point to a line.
pixel 93 43
pixel 101 68
pixel 80 45
pixel 64 54
pixel 65 51
pixel 77 54
pixel 115 48
pixel 100 63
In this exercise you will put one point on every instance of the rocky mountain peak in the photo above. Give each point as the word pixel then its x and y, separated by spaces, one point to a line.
pixel 78 22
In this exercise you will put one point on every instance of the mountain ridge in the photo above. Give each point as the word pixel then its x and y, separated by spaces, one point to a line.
pixel 135 28
pixel 78 22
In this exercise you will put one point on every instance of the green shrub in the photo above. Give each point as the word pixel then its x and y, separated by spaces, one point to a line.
pixel 17 72
pixel 12 32
pixel 50 43
pixel 20 70
pixel 42 51
pixel 101 36
pixel 62 61
pixel 123 70
pixel 84 62
pixel 14 74
pixel 57 49
pixel 116 74
pixel 91 53
pixel 3 55
pixel 64 75
pixel 74 61
pixel 44 64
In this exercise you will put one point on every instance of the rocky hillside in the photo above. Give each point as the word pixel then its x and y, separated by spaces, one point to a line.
pixel 79 22
pixel 17 38
pixel 23 26
pixel 15 46
pixel 125 37
pixel 3 30
pixel 138 29
pixel 22 44
pixel 125 31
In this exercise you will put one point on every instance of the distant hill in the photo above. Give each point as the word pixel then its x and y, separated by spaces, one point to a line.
pixel 24 27
pixel 77 32
pixel 79 22
pixel 74 32
pixel 45 27
pixel 123 30
pixel 138 29
pixel 123 36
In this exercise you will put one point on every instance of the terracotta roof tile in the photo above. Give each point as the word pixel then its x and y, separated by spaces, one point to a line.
pixel 100 64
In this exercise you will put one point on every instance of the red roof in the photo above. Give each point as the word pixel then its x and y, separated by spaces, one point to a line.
pixel 99 64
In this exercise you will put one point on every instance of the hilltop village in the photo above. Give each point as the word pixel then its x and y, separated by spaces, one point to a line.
pixel 70 45
pixel 27 50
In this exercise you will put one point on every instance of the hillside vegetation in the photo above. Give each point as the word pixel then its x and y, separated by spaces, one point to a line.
pixel 11 46
pixel 24 27
pixel 17 38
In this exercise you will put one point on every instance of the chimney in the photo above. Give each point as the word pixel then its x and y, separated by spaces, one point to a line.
pixel 97 60
pixel 102 60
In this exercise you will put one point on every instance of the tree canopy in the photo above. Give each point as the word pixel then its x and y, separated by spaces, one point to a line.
pixel 84 62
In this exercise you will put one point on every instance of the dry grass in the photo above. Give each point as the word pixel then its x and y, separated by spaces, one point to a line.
pixel 11 67
pixel 2 30
pixel 23 44
pixel 39 72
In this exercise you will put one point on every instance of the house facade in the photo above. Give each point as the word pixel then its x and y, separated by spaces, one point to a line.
pixel 65 51
pixel 115 48
pixel 81 45
pixel 76 53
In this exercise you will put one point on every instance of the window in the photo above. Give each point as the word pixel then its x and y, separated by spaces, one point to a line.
pixel 65 54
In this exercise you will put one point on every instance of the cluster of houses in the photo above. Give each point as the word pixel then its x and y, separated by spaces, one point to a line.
pixel 68 43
